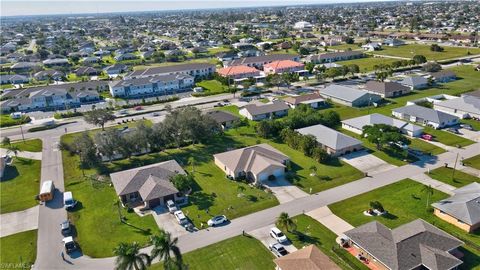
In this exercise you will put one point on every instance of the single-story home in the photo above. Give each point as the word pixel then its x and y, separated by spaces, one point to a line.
pixel 425 116
pixel 356 124
pixel 239 72
pixel 415 82
pixel 334 56
pixel 462 209
pixel 314 100
pixel 333 142
pixel 372 46
pixel 393 42
pixel 349 96
pixel 386 89
pixel 259 112
pixel 282 66
pixel 49 74
pixel 149 185
pixel 444 76
pixel 225 119
pixel 463 107
pixel 13 79
pixel 255 163
pixel 308 258
pixel 412 246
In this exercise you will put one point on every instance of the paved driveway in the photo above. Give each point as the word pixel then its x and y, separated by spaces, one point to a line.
pixel 330 220
pixel 20 221
pixel 167 222
pixel 284 190
pixel 469 134
pixel 367 162
pixel 263 235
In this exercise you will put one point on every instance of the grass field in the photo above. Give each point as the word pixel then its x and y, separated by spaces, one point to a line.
pixel 425 147
pixel 409 50
pixel 406 202
pixel 19 249
pixel 473 162
pixel 460 179
pixel 366 64
pixel 7 121
pixel 19 185
pixel 212 87
pixel 241 252
pixel 448 138
pixel 34 145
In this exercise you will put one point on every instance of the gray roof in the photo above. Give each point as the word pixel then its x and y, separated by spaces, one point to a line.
pixel 414 81
pixel 345 93
pixel 376 118
pixel 464 205
pixel 408 246
pixel 25 92
pixel 329 137
pixel 221 116
pixel 169 69
pixel 256 109
pixel 22 65
pixel 305 99
pixel 425 113
pixel 333 55
pixel 151 181
pixel 473 94
pixel 444 74
pixel 466 103
pixel 385 87
pixel 149 80
pixel 262 59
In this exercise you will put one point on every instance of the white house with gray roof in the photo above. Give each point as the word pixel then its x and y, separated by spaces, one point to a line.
pixel 333 142
pixel 257 112
pixel 151 86
pixel 425 116
pixel 194 69
pixel 463 107
pixel 415 82
pixel 349 96
pixel 356 124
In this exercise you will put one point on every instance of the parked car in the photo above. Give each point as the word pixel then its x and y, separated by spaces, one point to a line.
pixel 278 249
pixel 138 108
pixel 124 112
pixel 172 207
pixel 69 244
pixel 427 137
pixel 453 130
pixel 181 218
pixel 68 200
pixel 217 220
pixel 276 234
pixel 156 114
pixel 65 228
pixel 467 126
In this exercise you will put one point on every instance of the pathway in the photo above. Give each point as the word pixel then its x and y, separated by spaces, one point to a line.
pixel 438 185
pixel 20 221
pixel 330 220
pixel 23 154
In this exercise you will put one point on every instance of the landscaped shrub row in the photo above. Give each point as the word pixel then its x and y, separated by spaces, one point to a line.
pixel 67 115
pixel 146 103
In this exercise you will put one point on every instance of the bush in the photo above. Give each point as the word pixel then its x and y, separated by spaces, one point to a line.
pixel 377 206
pixel 159 101
pixel 67 115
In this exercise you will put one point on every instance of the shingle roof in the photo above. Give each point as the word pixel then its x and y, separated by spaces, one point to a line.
pixel 466 103
pixel 306 99
pixel 414 81
pixel 221 116
pixel 345 93
pixel 255 109
pixel 443 74
pixel 169 69
pixel 376 118
pixel 149 80
pixel 307 258
pixel 425 113
pixel 262 59
pixel 385 87
pixel 408 246
pixel 329 137
pixel 464 205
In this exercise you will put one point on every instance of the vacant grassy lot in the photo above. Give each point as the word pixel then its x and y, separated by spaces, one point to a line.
pixel 473 162
pixel 212 87
pixel 7 121
pixel 459 179
pixel 366 64
pixel 425 147
pixel 309 231
pixel 34 145
pixel 409 50
pixel 404 202
pixel 19 248
pixel 19 185
pixel 241 252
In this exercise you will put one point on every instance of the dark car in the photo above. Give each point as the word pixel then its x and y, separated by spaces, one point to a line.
pixel 70 245
pixel 66 228
pixel 278 249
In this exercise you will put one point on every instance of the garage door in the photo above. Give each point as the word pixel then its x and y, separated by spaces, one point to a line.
pixel 262 177
pixel 278 172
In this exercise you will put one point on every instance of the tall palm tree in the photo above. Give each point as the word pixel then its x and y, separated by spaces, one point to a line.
pixel 129 257
pixel 429 191
pixel 286 222
pixel 163 247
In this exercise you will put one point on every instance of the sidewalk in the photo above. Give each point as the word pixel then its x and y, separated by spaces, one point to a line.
pixel 23 154
pixel 20 221
pixel 427 180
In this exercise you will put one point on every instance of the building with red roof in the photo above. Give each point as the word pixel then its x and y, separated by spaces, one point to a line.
pixel 283 66
pixel 239 72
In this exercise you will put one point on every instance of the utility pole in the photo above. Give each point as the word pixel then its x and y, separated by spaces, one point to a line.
pixel 454 166
pixel 23 137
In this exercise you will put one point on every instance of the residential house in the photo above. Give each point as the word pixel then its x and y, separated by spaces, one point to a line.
pixel 412 246
pixel 462 209
pixel 87 71
pixel 334 56
pixel 151 86
pixel 115 69
pixel 349 96
pixel 313 100
pixel 283 66
pixel 148 186
pixel 303 26
pixel 24 66
pixel 393 42
pixel 386 89
pixel 13 79
pixel 425 116
pixel 444 76
pixel 262 111
pixel 49 74
pixel 332 141
pixel 415 82
pixel 358 123
pixel 225 119
pixel 255 163
pixel 307 258
pixel 372 46
pixel 91 60
pixel 197 70
pixel 126 56
pixel 259 61
pixel 462 107
pixel 56 62
pixel 239 72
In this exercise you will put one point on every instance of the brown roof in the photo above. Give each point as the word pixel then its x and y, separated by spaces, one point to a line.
pixel 307 258
pixel 303 98
pixel 275 106
pixel 385 87
pixel 221 116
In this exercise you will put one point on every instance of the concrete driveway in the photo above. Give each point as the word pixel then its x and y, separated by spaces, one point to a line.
pixel 329 220
pixel 469 134
pixel 263 235
pixel 21 221
pixel 284 190
pixel 367 162
pixel 167 222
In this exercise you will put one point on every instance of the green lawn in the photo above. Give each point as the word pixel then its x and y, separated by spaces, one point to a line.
pixel 405 202
pixel 231 108
pixel 366 64
pixel 212 87
pixel 18 249
pixel 460 179
pixel 448 138
pixel 426 147
pixel 7 121
pixel 473 162
pixel 346 47
pixel 19 185
pixel 6 86
pixel 309 231
pixel 409 50
pixel 34 145
pixel 240 252
pixel 213 51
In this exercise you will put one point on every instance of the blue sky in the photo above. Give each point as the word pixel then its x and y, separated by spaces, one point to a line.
pixel 42 7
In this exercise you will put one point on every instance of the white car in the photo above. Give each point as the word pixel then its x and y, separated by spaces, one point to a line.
pixel 278 249
pixel 217 220
pixel 181 218
pixel 276 234
pixel 172 207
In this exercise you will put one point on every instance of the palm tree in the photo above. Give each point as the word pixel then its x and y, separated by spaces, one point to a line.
pixel 13 149
pixel 129 257
pixel 163 247
pixel 286 222
pixel 429 191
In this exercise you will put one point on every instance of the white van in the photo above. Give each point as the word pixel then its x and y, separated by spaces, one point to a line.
pixel 46 192
pixel 68 200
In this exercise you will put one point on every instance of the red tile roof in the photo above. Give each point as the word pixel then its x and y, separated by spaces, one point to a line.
pixel 236 70
pixel 283 64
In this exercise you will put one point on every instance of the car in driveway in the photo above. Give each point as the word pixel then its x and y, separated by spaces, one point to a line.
pixel 171 206
pixel 217 220
pixel 278 235
pixel 427 137
pixel 181 218
pixel 467 127
pixel 278 249
pixel 65 228
pixel 69 245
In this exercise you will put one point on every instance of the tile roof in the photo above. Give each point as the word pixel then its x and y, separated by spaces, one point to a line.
pixel 237 70
pixel 283 64
pixel 464 204
pixel 330 137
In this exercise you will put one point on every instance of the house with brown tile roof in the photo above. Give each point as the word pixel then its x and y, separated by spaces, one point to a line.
pixel 239 72
pixel 282 66
pixel 307 258
pixel 314 100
